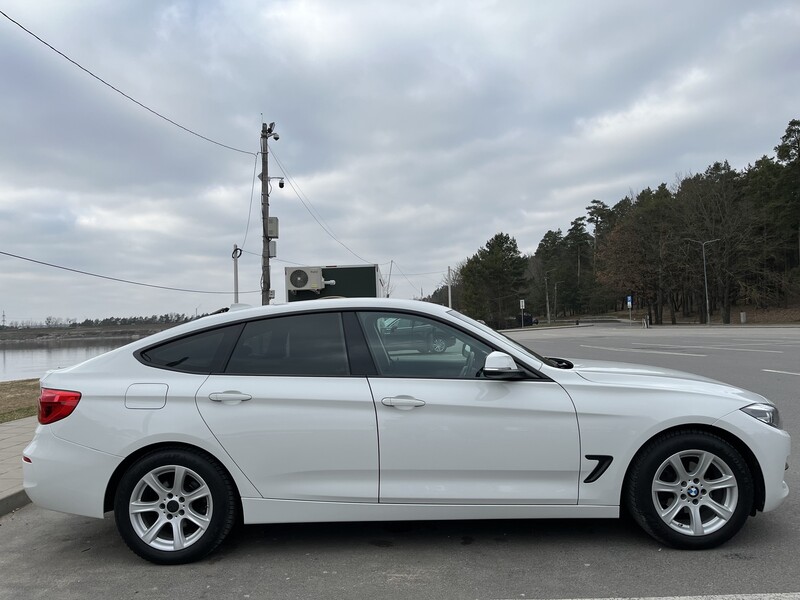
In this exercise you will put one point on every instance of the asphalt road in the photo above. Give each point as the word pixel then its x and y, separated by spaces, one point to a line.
pixel 765 360
pixel 49 555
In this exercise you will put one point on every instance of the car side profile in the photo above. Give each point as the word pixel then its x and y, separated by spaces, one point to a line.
pixel 307 412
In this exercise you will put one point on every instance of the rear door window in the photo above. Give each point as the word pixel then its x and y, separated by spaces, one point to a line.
pixel 307 344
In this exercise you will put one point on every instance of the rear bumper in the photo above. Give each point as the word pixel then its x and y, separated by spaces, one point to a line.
pixel 64 476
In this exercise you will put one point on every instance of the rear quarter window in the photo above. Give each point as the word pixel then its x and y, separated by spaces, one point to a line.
pixel 198 353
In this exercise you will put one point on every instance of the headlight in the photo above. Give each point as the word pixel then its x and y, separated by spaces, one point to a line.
pixel 766 413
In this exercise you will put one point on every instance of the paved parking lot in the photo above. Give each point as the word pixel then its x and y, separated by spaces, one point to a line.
pixel 49 555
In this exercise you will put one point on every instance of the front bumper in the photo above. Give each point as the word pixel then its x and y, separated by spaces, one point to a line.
pixel 771 448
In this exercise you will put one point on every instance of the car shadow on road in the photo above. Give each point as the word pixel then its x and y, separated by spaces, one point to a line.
pixel 436 534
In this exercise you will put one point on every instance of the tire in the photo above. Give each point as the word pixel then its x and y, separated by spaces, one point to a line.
pixel 174 506
pixel 690 490
pixel 438 344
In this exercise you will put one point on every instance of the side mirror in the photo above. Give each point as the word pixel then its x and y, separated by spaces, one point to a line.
pixel 500 365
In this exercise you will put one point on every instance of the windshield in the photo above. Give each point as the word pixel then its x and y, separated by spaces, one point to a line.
pixel 499 336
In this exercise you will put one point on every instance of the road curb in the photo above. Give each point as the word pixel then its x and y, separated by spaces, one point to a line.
pixel 13 501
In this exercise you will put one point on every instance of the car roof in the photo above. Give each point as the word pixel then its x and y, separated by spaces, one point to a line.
pixel 324 304
pixel 239 313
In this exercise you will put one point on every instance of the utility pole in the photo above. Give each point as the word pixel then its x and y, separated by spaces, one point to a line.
pixel 547 295
pixel 267 131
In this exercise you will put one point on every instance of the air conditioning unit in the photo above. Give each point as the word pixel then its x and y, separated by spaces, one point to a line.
pixel 304 278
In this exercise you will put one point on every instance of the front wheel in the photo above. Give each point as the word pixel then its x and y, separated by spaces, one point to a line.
pixel 690 490
pixel 174 506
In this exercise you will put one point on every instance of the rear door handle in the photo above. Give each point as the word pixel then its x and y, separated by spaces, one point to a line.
pixel 402 402
pixel 229 397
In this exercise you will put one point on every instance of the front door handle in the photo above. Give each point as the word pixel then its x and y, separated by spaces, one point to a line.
pixel 229 397
pixel 403 402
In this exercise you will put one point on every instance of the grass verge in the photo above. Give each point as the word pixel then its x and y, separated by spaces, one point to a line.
pixel 18 399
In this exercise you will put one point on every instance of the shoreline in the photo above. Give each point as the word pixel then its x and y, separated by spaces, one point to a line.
pixel 48 335
pixel 47 340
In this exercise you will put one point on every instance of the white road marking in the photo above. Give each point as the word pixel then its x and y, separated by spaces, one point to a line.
pixel 776 342
pixel 715 348
pixel 638 350
pixel 786 596
pixel 744 349
pixel 781 372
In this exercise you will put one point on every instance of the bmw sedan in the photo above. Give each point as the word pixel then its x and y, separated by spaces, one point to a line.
pixel 306 412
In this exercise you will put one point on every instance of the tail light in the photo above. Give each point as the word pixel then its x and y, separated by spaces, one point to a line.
pixel 55 405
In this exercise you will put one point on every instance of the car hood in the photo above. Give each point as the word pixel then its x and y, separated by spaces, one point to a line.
pixel 645 376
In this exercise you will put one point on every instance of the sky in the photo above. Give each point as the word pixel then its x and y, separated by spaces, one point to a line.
pixel 411 132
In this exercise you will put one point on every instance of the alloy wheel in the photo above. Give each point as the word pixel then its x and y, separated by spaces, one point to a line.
pixel 695 492
pixel 170 508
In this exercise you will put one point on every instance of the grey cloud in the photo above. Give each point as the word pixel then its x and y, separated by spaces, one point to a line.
pixel 417 130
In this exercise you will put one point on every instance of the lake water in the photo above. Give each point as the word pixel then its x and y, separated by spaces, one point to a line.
pixel 31 360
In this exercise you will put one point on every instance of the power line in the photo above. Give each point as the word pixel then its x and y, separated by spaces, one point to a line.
pixel 423 274
pixel 295 188
pixel 117 279
pixel 307 204
pixel 413 285
pixel 250 210
pixel 104 82
pixel 277 259
pixel 304 199
pixel 289 262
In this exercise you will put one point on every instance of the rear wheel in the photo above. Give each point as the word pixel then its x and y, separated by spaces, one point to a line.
pixel 174 506
pixel 690 490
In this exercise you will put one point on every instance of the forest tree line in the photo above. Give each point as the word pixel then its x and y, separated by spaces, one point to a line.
pixel 58 322
pixel 650 245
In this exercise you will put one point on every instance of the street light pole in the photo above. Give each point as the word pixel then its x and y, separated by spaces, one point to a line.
pixel 705 276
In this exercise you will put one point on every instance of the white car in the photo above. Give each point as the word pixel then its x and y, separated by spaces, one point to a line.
pixel 301 413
